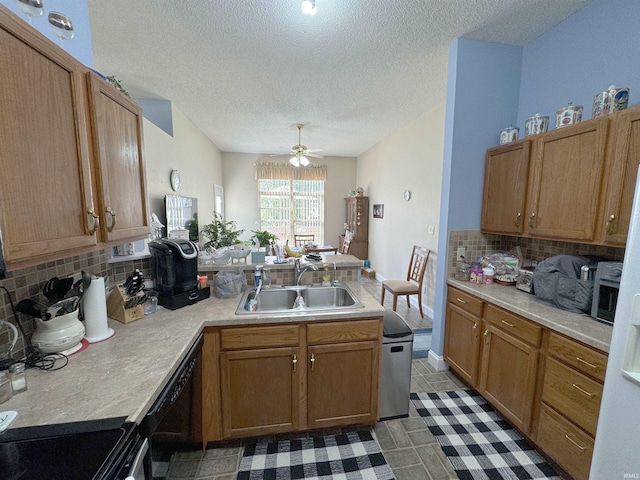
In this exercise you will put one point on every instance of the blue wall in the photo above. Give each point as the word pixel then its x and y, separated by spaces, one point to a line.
pixel 482 99
pixel 78 11
pixel 595 47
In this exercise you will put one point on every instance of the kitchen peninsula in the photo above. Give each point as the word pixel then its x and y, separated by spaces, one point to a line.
pixel 123 375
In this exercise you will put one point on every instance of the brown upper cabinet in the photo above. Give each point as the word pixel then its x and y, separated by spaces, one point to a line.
pixel 565 182
pixel 505 187
pixel 116 125
pixel 51 202
pixel 45 178
pixel 625 158
pixel 576 182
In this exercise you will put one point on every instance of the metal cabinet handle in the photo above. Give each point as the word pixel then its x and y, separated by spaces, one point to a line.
pixel 313 360
pixel 460 300
pixel 295 362
pixel 517 220
pixel 486 332
pixel 113 219
pixel 508 324
pixel 582 390
pixel 595 367
pixel 568 437
pixel 96 221
pixel 609 226
pixel 531 217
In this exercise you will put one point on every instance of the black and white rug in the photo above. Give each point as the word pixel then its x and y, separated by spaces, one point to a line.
pixel 480 444
pixel 348 456
pixel 421 342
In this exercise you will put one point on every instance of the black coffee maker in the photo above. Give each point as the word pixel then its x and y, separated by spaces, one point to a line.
pixel 174 266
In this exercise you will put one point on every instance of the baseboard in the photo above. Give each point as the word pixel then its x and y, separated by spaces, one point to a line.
pixel 437 362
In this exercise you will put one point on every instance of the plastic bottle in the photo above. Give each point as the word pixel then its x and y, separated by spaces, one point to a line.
pixel 326 278
pixel 257 277
pixel 475 273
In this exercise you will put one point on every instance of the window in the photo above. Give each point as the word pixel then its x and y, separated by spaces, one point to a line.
pixel 291 200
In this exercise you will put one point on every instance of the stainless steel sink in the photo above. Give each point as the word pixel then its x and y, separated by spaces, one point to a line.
pixel 283 299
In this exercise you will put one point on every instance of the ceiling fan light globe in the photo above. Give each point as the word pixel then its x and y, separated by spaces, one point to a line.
pixel 309 7
pixel 304 161
pixel 294 161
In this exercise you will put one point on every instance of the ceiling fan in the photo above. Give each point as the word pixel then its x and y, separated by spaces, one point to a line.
pixel 301 152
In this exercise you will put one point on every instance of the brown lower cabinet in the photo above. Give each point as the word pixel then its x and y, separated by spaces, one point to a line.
pixel 547 385
pixel 261 380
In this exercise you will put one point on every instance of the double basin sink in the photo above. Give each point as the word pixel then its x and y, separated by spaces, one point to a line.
pixel 303 298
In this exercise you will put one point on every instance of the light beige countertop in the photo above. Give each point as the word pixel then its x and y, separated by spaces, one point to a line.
pixel 341 261
pixel 577 326
pixel 122 376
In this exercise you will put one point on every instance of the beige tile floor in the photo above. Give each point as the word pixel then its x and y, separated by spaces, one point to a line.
pixel 409 448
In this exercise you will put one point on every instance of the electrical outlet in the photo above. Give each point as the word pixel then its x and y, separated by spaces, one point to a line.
pixel 431 230
pixel 461 252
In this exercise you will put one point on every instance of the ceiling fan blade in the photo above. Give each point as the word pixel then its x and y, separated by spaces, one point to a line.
pixel 314 155
pixel 311 150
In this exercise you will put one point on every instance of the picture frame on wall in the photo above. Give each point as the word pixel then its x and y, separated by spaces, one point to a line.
pixel 378 210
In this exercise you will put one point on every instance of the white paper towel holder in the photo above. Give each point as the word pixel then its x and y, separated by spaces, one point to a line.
pixel 94 304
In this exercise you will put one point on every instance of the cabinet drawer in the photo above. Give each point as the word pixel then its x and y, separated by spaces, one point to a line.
pixel 259 337
pixel 565 443
pixel 337 332
pixel 572 394
pixel 465 301
pixel 582 358
pixel 516 326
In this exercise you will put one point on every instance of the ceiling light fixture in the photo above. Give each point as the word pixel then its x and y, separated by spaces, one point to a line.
pixel 299 160
pixel 309 7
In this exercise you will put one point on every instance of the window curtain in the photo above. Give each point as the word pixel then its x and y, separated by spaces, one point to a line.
pixel 291 200
pixel 284 171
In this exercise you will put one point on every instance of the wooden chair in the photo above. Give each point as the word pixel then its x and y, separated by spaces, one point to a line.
pixel 302 240
pixel 413 284
pixel 345 247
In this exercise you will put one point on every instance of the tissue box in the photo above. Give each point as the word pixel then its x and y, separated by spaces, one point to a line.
pixel 368 273
pixel 258 257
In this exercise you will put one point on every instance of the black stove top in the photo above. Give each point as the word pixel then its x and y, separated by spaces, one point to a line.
pixel 80 450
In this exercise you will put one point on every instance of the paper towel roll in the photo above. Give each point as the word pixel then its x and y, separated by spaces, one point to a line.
pixel 94 305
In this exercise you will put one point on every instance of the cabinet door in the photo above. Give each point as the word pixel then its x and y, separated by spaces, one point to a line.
pixel 116 122
pixel 462 343
pixel 342 384
pixel 565 185
pixel 505 185
pixel 508 377
pixel 45 178
pixel 260 391
pixel 626 158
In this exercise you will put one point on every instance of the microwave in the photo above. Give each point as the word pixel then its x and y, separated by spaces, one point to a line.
pixel 605 291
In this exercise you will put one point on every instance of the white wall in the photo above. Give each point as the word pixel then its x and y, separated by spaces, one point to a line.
pixel 191 153
pixel 410 159
pixel 241 191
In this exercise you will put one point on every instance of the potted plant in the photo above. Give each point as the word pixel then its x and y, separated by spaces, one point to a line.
pixel 263 237
pixel 220 233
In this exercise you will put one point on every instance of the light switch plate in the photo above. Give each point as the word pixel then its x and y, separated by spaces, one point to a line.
pixel 461 252
pixel 431 230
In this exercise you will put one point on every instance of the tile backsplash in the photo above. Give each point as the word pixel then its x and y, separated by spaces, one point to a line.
pixel 477 244
pixel 28 283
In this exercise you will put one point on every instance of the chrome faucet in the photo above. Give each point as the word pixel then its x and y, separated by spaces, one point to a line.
pixel 300 271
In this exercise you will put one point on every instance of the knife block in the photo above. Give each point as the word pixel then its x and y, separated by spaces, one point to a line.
pixel 115 307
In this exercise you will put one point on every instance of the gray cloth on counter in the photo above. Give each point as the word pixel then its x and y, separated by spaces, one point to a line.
pixel 556 281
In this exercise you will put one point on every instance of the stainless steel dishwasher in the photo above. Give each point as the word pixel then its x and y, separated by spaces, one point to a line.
pixel 395 368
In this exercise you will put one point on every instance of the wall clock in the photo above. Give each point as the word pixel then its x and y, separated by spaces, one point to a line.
pixel 175 180
pixel 407 195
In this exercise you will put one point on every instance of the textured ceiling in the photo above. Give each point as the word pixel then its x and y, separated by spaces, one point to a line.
pixel 246 71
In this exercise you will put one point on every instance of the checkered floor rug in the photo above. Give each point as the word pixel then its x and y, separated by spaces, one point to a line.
pixel 349 456
pixel 480 444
